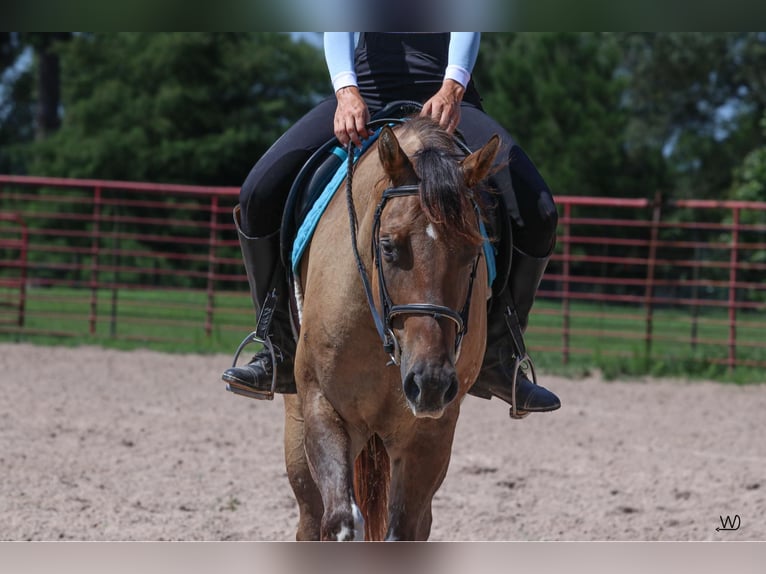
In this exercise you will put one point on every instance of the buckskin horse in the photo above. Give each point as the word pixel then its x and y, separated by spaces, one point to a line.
pixel 392 293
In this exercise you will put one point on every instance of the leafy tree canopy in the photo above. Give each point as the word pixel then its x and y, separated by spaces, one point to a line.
pixel 560 95
pixel 622 114
pixel 178 107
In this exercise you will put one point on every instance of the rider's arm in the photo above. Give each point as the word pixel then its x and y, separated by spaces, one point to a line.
pixel 351 115
pixel 444 106
pixel 463 51
pixel 339 55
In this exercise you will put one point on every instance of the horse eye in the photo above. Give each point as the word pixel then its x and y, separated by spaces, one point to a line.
pixel 387 249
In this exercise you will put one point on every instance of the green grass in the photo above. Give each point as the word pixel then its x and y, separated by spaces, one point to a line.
pixel 170 321
pixel 610 337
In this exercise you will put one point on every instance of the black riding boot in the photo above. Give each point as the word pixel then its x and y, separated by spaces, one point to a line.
pixel 265 274
pixel 506 356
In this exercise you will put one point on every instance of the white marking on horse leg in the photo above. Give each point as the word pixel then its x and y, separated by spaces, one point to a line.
pixel 343 534
pixel 357 534
pixel 358 523
pixel 431 232
pixel 299 301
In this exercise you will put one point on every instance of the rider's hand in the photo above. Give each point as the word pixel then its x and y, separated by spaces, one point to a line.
pixel 444 106
pixel 351 116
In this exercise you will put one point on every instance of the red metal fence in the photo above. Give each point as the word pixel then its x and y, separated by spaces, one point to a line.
pixel 122 260
pixel 683 279
pixel 14 241
pixel 125 260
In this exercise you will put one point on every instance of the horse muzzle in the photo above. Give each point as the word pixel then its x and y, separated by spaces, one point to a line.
pixel 429 388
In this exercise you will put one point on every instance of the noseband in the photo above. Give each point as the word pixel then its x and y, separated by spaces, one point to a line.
pixel 384 319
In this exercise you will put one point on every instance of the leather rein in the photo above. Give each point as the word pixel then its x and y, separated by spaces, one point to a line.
pixel 384 319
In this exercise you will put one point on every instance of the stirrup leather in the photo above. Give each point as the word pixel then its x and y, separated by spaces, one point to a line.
pixel 521 358
pixel 261 335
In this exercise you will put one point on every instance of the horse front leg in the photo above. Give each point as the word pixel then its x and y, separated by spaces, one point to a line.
pixel 307 494
pixel 328 449
pixel 418 468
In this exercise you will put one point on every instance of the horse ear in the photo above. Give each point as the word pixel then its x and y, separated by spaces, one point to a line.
pixel 395 162
pixel 477 165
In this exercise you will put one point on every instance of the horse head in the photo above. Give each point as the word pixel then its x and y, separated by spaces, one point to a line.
pixel 427 244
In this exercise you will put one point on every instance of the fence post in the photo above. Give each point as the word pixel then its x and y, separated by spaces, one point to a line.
pixel 211 265
pixel 695 310
pixel 650 269
pixel 23 261
pixel 567 250
pixel 94 252
pixel 116 262
pixel 22 245
pixel 732 361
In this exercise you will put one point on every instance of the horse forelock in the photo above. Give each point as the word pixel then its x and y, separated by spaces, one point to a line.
pixel 444 197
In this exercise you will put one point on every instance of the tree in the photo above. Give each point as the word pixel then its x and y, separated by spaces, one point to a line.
pixel 16 102
pixel 697 97
pixel 173 107
pixel 47 118
pixel 177 107
pixel 29 92
pixel 561 96
pixel 750 177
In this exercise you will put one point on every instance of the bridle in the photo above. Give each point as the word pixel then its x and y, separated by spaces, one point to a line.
pixel 384 318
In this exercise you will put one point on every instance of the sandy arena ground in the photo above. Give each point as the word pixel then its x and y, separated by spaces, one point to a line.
pixel 111 445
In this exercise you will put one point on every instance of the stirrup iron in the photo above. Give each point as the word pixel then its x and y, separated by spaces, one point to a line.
pixel 261 335
pixel 521 358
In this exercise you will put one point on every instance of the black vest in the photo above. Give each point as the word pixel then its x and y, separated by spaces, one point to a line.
pixel 403 66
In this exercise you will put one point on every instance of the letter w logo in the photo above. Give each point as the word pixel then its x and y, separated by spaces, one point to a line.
pixel 729 523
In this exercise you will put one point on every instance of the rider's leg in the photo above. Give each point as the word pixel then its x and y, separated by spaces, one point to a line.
pixel 258 220
pixel 265 273
pixel 506 323
pixel 533 217
pixel 508 319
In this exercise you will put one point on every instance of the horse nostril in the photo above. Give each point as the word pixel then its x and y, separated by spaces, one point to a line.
pixel 451 391
pixel 411 387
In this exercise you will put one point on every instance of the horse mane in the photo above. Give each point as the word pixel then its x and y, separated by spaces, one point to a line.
pixel 444 197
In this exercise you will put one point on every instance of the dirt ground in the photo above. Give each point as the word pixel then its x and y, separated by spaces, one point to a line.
pixel 112 445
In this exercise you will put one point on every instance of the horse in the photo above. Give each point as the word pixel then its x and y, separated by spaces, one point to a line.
pixel 394 276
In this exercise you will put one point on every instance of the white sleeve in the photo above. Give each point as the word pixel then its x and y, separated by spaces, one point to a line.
pixel 463 51
pixel 339 55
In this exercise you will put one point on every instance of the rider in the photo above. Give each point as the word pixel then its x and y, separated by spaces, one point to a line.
pixel 368 73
